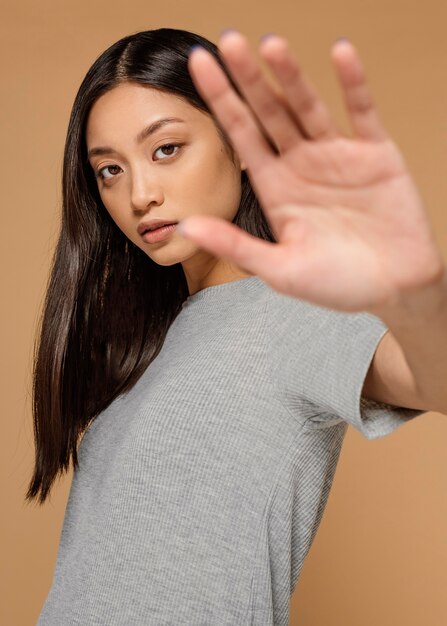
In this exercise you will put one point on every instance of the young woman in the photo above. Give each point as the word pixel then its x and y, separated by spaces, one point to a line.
pixel 202 382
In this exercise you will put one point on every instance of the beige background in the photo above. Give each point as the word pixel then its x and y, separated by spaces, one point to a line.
pixel 380 555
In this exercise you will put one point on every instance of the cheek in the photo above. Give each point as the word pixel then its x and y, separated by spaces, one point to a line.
pixel 113 207
pixel 213 185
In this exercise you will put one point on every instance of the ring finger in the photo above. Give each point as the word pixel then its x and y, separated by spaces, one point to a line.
pixel 269 106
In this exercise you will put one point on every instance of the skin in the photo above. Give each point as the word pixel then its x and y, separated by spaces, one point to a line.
pixel 352 232
pixel 351 228
pixel 144 180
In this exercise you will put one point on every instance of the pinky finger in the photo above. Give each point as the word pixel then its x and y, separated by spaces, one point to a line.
pixel 359 102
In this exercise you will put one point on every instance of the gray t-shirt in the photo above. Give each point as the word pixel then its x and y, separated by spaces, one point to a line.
pixel 200 490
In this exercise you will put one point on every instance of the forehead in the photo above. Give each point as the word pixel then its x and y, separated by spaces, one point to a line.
pixel 126 108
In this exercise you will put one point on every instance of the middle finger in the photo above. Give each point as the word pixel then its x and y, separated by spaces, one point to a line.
pixel 269 106
pixel 314 116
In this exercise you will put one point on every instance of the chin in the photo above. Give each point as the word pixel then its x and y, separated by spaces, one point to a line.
pixel 166 255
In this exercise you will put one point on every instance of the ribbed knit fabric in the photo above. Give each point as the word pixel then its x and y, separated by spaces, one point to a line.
pixel 199 491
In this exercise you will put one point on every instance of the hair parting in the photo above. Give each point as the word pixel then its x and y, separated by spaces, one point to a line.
pixel 107 305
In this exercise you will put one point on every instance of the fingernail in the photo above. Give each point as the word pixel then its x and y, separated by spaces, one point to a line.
pixel 341 39
pixel 266 36
pixel 196 46
pixel 181 228
pixel 228 30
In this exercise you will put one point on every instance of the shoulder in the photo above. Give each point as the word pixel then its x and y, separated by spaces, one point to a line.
pixel 292 322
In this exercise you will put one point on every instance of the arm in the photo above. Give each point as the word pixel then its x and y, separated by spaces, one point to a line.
pixel 410 364
pixel 351 227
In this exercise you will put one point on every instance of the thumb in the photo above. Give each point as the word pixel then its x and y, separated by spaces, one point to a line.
pixel 226 240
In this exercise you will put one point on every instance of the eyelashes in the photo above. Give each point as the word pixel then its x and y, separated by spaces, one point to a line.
pixel 100 173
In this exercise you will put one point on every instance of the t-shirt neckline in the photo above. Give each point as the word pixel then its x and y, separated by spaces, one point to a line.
pixel 206 292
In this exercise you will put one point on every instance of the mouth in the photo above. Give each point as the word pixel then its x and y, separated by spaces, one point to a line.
pixel 150 230
pixel 159 233
pixel 156 227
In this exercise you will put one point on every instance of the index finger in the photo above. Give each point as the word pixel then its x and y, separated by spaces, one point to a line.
pixel 233 114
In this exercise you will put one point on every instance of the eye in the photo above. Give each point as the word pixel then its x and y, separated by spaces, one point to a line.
pixel 169 148
pixel 100 173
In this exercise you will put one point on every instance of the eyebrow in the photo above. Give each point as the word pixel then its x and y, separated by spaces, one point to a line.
pixel 146 132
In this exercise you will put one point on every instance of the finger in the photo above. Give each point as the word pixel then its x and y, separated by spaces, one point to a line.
pixel 228 241
pixel 303 99
pixel 359 102
pixel 264 101
pixel 232 113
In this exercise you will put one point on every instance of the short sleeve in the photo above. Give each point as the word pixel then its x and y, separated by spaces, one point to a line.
pixel 322 358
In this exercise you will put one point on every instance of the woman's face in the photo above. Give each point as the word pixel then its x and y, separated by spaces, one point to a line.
pixel 141 179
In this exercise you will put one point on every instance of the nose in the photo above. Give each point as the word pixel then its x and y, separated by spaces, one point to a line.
pixel 146 191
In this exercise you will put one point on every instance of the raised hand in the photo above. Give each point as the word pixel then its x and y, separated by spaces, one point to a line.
pixel 351 227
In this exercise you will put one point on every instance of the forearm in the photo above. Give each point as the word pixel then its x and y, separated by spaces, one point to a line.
pixel 419 324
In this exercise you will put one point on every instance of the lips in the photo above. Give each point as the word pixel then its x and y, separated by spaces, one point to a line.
pixel 153 225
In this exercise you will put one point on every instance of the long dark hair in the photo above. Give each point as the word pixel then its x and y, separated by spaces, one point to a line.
pixel 101 324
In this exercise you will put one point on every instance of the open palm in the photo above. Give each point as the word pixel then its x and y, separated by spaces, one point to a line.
pixel 350 224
